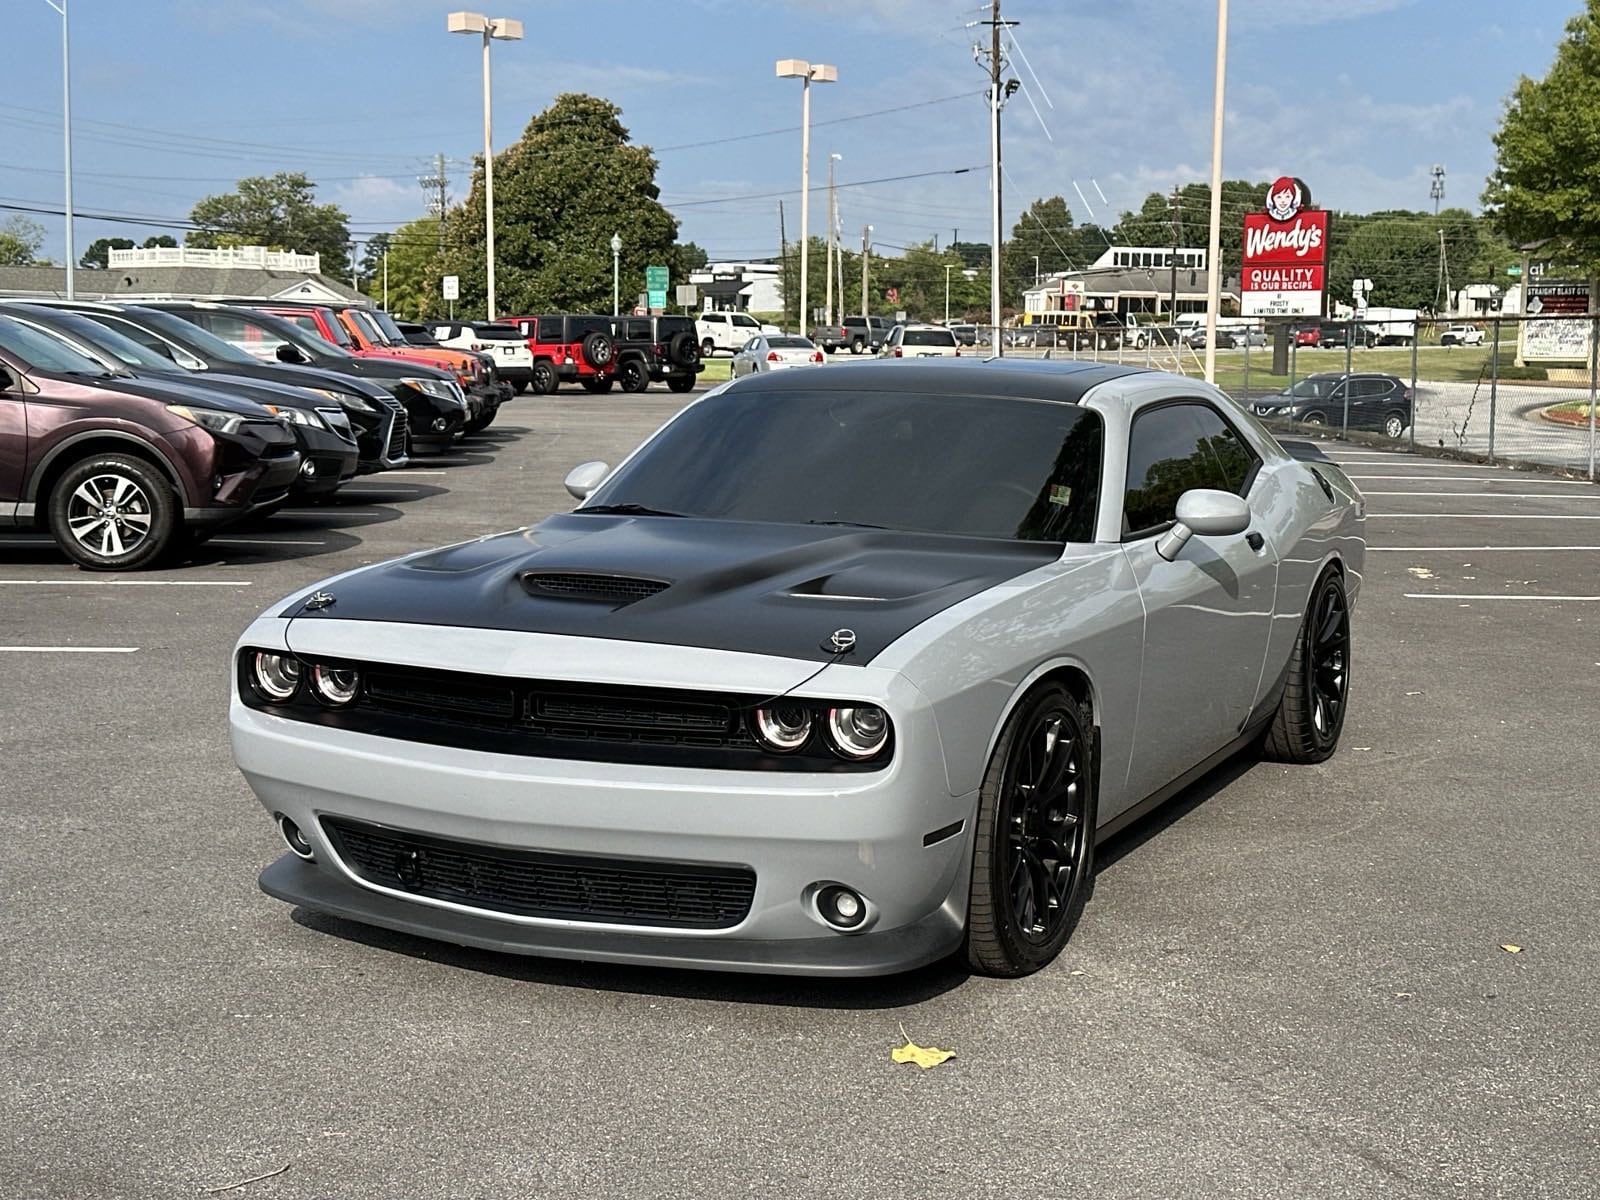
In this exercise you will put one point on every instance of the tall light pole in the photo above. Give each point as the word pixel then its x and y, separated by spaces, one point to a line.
pixel 947 269
pixel 616 274
pixel 866 258
pixel 828 303
pixel 1035 270
pixel 1214 245
pixel 807 73
pixel 506 30
pixel 66 139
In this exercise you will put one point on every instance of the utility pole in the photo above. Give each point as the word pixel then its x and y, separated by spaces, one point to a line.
pixel 866 257
pixel 827 303
pixel 1177 228
pixel 947 269
pixel 1214 232
pixel 783 262
pixel 996 65
pixel 438 201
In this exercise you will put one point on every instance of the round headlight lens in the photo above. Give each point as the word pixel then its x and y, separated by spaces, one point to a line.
pixel 335 685
pixel 858 732
pixel 276 676
pixel 783 727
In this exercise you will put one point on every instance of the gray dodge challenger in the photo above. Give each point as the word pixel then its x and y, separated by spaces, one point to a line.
pixel 840 673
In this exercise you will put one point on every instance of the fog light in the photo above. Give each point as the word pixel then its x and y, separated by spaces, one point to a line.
pixel 276 677
pixel 440 424
pixel 335 685
pixel 841 907
pixel 294 839
pixel 308 468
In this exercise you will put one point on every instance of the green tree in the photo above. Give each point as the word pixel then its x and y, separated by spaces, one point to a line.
pixel 560 192
pixel 1040 244
pixel 20 240
pixel 1544 183
pixel 416 266
pixel 685 258
pixel 1156 222
pixel 161 241
pixel 279 212
pixel 98 255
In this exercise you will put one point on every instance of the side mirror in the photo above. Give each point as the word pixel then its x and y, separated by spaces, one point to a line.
pixel 583 480
pixel 1208 512
pixel 287 353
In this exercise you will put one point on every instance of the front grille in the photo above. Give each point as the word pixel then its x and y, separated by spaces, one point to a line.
pixel 533 883
pixel 399 433
pixel 612 589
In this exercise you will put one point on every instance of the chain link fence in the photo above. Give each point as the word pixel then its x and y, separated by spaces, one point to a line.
pixel 1515 388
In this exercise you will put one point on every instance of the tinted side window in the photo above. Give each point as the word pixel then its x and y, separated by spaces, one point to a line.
pixel 1233 454
pixel 550 329
pixel 1169 452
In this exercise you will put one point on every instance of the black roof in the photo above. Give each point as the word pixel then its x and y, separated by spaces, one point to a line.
pixel 1022 378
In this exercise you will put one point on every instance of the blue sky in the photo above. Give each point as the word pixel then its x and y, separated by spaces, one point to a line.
pixel 174 99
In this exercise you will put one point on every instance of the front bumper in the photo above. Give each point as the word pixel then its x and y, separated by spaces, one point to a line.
pixel 795 830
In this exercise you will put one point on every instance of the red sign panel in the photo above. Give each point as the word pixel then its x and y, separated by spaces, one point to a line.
pixel 1287 243
pixel 1285 255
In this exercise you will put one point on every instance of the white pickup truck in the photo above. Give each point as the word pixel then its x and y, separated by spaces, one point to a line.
pixel 1461 335
pixel 727 331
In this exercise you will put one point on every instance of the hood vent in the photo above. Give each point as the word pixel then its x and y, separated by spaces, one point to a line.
pixel 578 585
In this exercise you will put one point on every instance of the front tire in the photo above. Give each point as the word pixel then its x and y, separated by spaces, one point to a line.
pixel 1033 849
pixel 1310 716
pixel 1394 425
pixel 113 512
pixel 680 383
pixel 544 378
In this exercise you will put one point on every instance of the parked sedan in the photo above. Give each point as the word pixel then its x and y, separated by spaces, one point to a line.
pixel 775 352
pixel 798 689
pixel 124 473
pixel 1372 401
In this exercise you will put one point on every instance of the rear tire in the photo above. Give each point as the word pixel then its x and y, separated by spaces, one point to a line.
pixel 113 512
pixel 633 377
pixel 680 383
pixel 1310 716
pixel 707 348
pixel 857 346
pixel 520 386
pixel 1314 418
pixel 596 387
pixel 1033 848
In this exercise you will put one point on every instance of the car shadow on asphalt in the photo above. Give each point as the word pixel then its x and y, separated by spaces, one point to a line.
pixel 1112 851
pixel 879 992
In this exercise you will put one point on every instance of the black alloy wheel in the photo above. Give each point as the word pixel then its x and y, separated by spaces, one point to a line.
pixel 1310 717
pixel 1033 856
pixel 683 349
pixel 113 512
pixel 598 350
pixel 544 378
pixel 632 375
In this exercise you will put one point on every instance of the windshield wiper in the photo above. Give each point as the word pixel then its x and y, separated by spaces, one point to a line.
pixel 849 524
pixel 631 510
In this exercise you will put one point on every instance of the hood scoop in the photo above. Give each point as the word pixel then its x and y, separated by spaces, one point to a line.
pixel 592 586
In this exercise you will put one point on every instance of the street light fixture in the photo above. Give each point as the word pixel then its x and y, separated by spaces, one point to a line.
pixel 66 137
pixel 616 274
pixel 807 73
pixel 506 30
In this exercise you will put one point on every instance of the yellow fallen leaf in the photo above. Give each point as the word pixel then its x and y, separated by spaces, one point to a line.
pixel 923 1056
pixel 1510 949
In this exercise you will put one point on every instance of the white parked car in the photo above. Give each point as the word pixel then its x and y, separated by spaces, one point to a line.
pixel 513 358
pixel 1461 335
pixel 776 352
pixel 921 341
pixel 727 331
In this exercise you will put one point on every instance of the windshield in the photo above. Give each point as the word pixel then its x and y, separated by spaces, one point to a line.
pixel 192 338
pixel 1028 469
pixel 386 323
pixel 1315 388
pixel 101 338
pixel 259 329
pixel 45 353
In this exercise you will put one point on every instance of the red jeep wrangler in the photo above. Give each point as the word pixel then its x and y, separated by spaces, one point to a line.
pixel 567 348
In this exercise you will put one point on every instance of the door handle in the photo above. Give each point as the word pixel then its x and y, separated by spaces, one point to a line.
pixel 1256 540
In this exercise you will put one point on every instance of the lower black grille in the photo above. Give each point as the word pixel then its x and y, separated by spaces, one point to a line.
pixel 533 883
pixel 399 435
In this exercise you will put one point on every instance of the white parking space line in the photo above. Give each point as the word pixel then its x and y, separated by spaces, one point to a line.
pixel 69 649
pixel 1519 478
pixel 387 473
pixel 1455 549
pixel 125 583
pixel 1483 596
pixel 244 541
pixel 1488 516
pixel 1496 495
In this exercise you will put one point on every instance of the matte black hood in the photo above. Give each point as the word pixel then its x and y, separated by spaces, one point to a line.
pixel 729 585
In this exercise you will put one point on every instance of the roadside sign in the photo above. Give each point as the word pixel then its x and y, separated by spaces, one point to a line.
pixel 687 295
pixel 452 287
pixel 1285 251
pixel 655 283
pixel 1555 330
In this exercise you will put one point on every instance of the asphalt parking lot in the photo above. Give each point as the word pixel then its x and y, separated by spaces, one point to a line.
pixel 1291 982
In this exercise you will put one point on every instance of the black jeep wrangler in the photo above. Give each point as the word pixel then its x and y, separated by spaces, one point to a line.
pixel 656 348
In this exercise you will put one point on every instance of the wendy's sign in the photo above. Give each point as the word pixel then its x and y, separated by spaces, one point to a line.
pixel 1285 254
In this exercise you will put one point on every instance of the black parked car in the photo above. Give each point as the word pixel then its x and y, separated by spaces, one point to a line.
pixel 1338 334
pixel 1379 402
pixel 650 349
pixel 321 429
pixel 433 398
pixel 379 420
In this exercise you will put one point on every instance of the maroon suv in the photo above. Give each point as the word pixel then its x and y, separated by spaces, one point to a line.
pixel 119 478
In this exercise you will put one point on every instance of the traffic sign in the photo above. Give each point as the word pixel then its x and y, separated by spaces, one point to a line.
pixel 452 287
pixel 655 282
pixel 687 295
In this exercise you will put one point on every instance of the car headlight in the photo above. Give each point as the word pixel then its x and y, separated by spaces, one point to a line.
pixel 783 727
pixel 296 416
pixel 336 686
pixel 275 677
pixel 348 402
pixel 208 418
pixel 859 731
pixel 337 420
pixel 439 389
